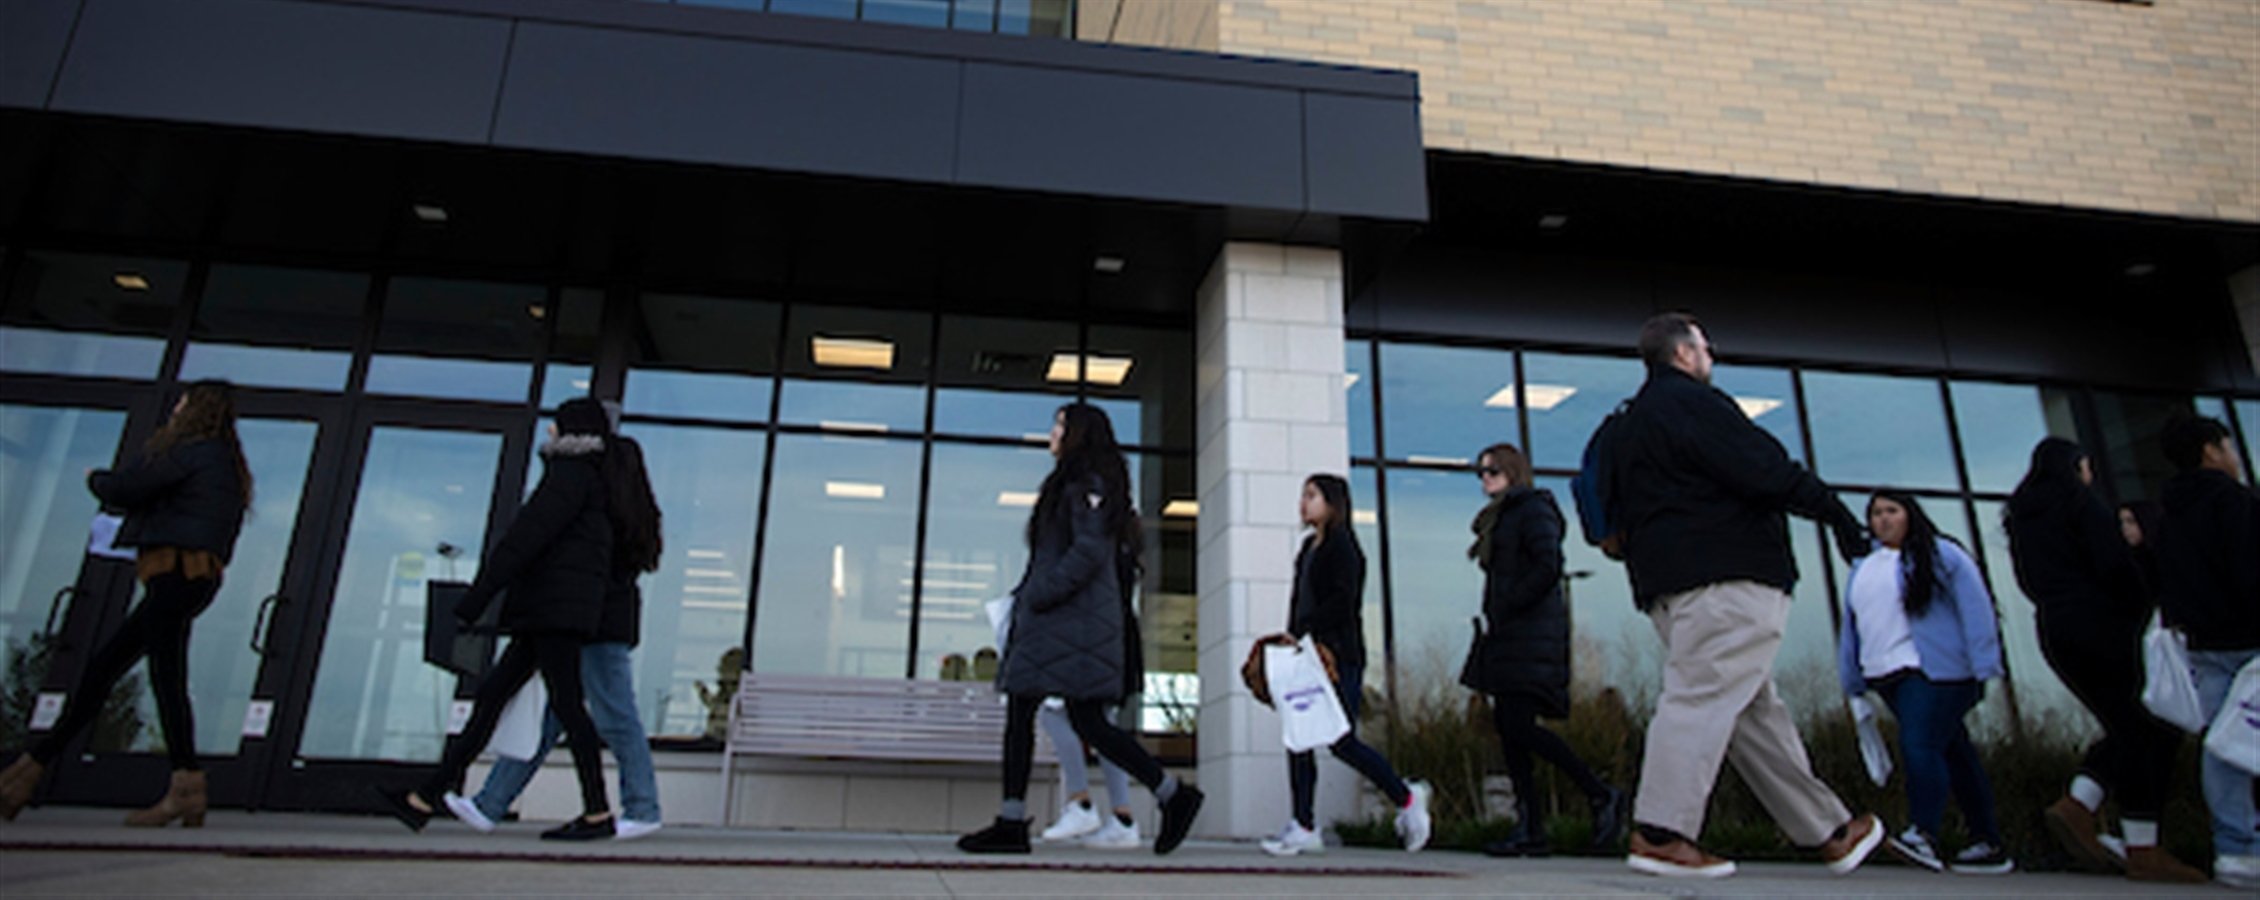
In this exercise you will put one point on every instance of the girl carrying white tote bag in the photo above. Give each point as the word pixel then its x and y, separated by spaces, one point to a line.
pixel 2235 735
pixel 1310 716
pixel 2169 688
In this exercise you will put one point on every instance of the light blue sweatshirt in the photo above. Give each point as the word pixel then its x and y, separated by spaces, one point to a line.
pixel 1957 637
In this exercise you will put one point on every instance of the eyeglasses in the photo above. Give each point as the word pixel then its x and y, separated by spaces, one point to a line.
pixel 1489 471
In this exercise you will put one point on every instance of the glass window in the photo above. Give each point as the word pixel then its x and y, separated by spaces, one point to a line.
pixel 856 369
pixel 2248 416
pixel 1169 599
pixel 830 9
pixel 73 314
pixel 1568 396
pixel 1805 668
pixel 1357 389
pixel 2046 706
pixel 976 550
pixel 2000 423
pixel 1611 643
pixel 458 339
pixel 1442 404
pixel 44 513
pixel 1143 377
pixel 289 328
pixel 1365 519
pixel 835 576
pixel 573 346
pixel 703 357
pixel 1879 430
pixel 925 13
pixel 1434 586
pixel 974 15
pixel 1005 377
pixel 2130 424
pixel 708 484
pixel 1051 18
pixel 1766 396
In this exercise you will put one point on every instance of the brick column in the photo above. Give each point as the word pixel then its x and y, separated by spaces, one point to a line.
pixel 1272 412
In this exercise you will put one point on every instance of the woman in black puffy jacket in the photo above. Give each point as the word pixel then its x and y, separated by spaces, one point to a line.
pixel 1523 660
pixel 555 564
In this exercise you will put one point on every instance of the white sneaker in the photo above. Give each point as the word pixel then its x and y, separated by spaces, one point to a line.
pixel 2114 845
pixel 2240 872
pixel 467 811
pixel 1412 821
pixel 1114 836
pixel 626 829
pixel 1915 848
pixel 1294 840
pixel 1983 858
pixel 1075 820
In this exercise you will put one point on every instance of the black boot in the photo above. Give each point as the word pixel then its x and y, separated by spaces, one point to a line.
pixel 1611 814
pixel 1527 839
pixel 1177 818
pixel 1002 836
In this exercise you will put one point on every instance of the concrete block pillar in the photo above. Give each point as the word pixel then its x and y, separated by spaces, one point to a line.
pixel 1271 412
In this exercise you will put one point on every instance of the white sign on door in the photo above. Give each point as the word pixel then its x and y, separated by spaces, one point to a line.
pixel 47 711
pixel 256 716
pixel 458 715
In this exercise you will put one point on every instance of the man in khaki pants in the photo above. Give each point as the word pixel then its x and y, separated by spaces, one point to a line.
pixel 1700 492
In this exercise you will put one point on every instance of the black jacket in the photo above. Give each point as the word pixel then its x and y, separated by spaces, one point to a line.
pixel 556 558
pixel 1329 597
pixel 1526 641
pixel 1067 614
pixel 2074 564
pixel 621 622
pixel 1701 490
pixel 188 496
pixel 2209 557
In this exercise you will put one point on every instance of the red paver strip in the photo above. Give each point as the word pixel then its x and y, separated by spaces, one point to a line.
pixel 286 852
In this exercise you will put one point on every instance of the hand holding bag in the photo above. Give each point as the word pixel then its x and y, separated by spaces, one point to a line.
pixel 2169 690
pixel 1251 669
pixel 1310 715
pixel 2235 734
pixel 1875 755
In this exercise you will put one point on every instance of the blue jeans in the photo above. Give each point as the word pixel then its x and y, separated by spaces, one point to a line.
pixel 608 680
pixel 1302 768
pixel 1935 746
pixel 2228 789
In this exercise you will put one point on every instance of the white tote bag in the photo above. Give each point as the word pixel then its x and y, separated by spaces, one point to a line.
pixel 2235 735
pixel 1310 716
pixel 2169 690
pixel 1000 618
pixel 1874 753
pixel 517 735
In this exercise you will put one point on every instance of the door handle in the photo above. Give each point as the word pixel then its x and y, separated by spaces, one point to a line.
pixel 54 607
pixel 259 625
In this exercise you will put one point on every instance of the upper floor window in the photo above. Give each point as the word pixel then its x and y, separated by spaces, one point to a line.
pixel 1037 18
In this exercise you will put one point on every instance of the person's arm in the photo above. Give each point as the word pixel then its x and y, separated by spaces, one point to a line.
pixel 557 500
pixel 139 482
pixel 1534 568
pixel 1735 452
pixel 1973 606
pixel 1090 551
pixel 1848 643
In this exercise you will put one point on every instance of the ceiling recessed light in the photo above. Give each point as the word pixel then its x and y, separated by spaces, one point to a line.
pixel 855 490
pixel 1364 517
pixel 1022 499
pixel 131 281
pixel 1110 265
pixel 1110 371
pixel 1351 380
pixel 537 311
pixel 2140 269
pixel 1543 397
pixel 852 353
pixel 1754 407
pixel 432 213
pixel 1181 509
pixel 1553 221
pixel 1437 460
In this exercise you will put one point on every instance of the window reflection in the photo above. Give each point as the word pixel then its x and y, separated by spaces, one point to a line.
pixel 1612 645
pixel 1357 389
pixel 1006 377
pixel 1999 425
pixel 2130 424
pixel 1143 377
pixel 571 371
pixel 75 314
pixel 291 328
pixel 856 370
pixel 1435 587
pixel 44 454
pixel 1443 403
pixel 1768 399
pixel 2047 707
pixel 835 578
pixel 1365 519
pixel 1879 430
pixel 925 13
pixel 703 357
pixel 1168 600
pixel 458 339
pixel 708 484
pixel 1568 396
pixel 2248 415
pixel 977 515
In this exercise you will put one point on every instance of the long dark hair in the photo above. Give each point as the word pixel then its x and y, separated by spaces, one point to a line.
pixel 2053 478
pixel 1087 448
pixel 636 539
pixel 1336 492
pixel 207 415
pixel 1920 547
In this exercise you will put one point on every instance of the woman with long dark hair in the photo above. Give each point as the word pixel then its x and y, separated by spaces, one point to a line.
pixel 556 563
pixel 1919 629
pixel 1066 638
pixel 1523 662
pixel 2091 605
pixel 1327 606
pixel 184 501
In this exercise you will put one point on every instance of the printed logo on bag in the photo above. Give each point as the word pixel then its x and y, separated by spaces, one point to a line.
pixel 1304 698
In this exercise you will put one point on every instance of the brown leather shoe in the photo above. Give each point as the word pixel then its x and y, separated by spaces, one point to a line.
pixel 183 800
pixel 1852 843
pixel 2155 864
pixel 1676 859
pixel 2073 826
pixel 17 783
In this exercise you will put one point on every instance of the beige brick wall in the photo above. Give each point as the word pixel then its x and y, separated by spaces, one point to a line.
pixel 1183 24
pixel 2085 103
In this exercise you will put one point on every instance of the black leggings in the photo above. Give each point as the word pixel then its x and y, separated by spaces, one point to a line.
pixel 2101 663
pixel 1089 719
pixel 1520 735
pixel 559 661
pixel 158 628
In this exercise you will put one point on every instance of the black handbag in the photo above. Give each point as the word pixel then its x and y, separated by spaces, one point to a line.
pixel 1471 671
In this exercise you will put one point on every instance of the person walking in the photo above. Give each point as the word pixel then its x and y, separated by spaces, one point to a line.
pixel 184 501
pixel 1078 819
pixel 1066 635
pixel 1327 606
pixel 2211 580
pixel 1919 629
pixel 607 672
pixel 2091 605
pixel 555 562
pixel 1523 662
pixel 1701 491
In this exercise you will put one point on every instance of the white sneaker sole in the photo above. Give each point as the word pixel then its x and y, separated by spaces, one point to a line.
pixel 1131 844
pixel 2002 868
pixel 624 830
pixel 1859 854
pixel 1285 850
pixel 1662 869
pixel 468 812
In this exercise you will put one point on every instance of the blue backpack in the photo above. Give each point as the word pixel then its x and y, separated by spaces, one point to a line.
pixel 1593 488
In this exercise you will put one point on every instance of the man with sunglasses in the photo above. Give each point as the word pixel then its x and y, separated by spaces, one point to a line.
pixel 1700 491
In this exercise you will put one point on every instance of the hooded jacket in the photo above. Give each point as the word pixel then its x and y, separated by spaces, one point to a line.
pixel 1068 613
pixel 1526 641
pixel 553 565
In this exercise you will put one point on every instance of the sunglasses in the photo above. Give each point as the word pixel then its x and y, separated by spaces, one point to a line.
pixel 1489 471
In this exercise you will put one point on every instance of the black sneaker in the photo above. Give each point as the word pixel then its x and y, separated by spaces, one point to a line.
pixel 1177 818
pixel 581 829
pixel 1518 844
pixel 1983 858
pixel 396 802
pixel 1002 836
pixel 1611 815
pixel 1916 849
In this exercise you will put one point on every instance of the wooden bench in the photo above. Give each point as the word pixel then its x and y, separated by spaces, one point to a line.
pixel 899 720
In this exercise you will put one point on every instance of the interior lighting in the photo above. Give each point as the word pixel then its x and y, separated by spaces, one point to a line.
pixel 1542 397
pixel 852 353
pixel 1754 407
pixel 131 281
pixel 1181 509
pixel 1109 265
pixel 434 214
pixel 1021 499
pixel 1109 371
pixel 855 490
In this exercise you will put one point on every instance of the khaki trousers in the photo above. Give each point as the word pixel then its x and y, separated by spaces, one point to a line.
pixel 1719 703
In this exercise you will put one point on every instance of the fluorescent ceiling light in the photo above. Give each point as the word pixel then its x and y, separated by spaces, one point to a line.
pixel 1181 509
pixel 1351 380
pixel 580 384
pixel 1106 370
pixel 1022 499
pixel 723 589
pixel 852 353
pixel 709 573
pixel 1754 407
pixel 537 311
pixel 1438 460
pixel 958 567
pixel 131 281
pixel 430 213
pixel 1552 221
pixel 1044 438
pixel 866 427
pixel 1543 397
pixel 1364 517
pixel 705 554
pixel 1108 264
pixel 855 490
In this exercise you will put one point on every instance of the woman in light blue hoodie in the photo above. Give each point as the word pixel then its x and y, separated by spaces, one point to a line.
pixel 1919 629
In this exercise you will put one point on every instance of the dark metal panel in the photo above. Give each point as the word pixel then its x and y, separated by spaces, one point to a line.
pixel 1512 296
pixel 2141 336
pixel 273 64
pixel 1364 156
pixel 698 99
pixel 1790 315
pixel 1149 138
pixel 33 34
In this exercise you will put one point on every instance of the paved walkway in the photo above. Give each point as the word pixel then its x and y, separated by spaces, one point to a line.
pixel 78 852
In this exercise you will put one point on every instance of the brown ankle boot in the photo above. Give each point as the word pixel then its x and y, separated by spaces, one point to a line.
pixel 2074 828
pixel 17 783
pixel 2155 864
pixel 183 801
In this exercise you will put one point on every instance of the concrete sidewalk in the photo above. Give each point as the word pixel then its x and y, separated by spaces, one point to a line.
pixel 80 852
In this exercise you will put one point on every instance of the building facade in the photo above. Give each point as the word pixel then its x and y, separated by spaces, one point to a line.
pixel 841 259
